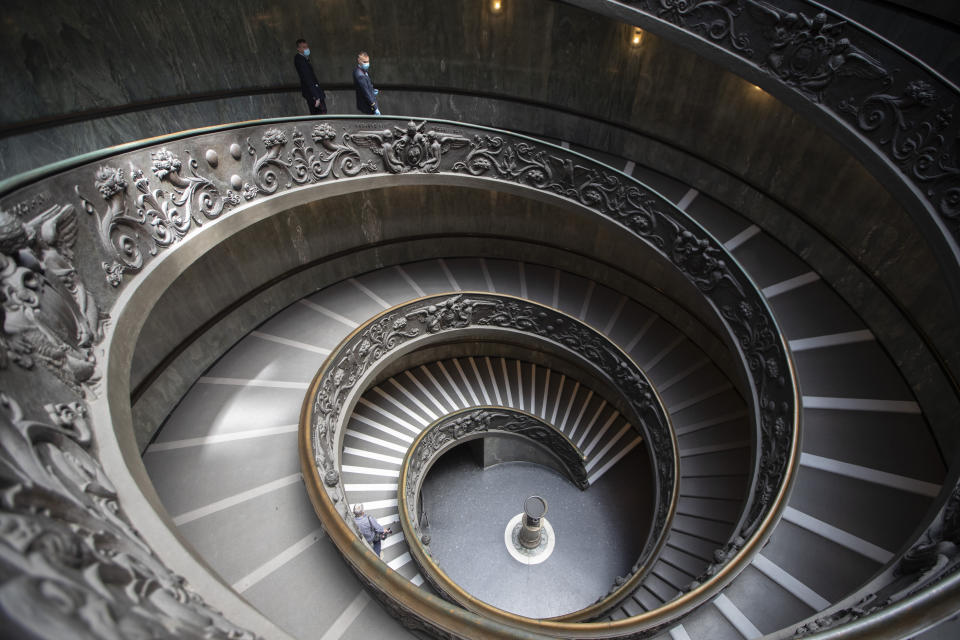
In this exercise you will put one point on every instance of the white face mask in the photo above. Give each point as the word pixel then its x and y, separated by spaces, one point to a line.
pixel 306 52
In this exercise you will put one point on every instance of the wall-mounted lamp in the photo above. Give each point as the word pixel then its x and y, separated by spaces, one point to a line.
pixel 496 6
pixel 637 37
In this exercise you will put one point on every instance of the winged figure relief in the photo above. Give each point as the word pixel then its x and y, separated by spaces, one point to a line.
pixel 439 144
pixel 47 313
pixel 409 148
pixel 809 53
pixel 382 143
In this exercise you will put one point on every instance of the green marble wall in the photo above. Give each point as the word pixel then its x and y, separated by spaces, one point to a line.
pixel 538 66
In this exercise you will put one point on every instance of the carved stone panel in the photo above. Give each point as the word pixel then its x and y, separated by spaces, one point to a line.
pixel 72 566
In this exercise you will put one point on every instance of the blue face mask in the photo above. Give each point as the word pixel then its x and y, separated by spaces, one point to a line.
pixel 364 65
pixel 306 52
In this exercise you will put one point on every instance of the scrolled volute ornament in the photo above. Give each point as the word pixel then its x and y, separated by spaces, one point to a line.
pixel 200 197
pixel 265 167
pixel 160 218
pixel 163 220
pixel 522 162
pixel 119 230
pixel 335 159
pixel 305 163
pixel 716 20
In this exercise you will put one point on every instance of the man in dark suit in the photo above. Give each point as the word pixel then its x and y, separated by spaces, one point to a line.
pixel 366 94
pixel 309 87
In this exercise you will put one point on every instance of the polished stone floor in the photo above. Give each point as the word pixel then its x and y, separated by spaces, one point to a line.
pixel 599 532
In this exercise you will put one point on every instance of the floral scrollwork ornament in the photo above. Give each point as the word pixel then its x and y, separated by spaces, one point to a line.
pixel 305 163
pixel 160 218
pixel 119 230
pixel 199 196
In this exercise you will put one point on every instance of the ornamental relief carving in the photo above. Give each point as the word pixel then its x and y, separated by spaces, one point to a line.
pixel 809 53
pixel 305 163
pixel 71 563
pixel 919 134
pixel 155 218
pixel 133 226
pixel 713 19
pixel 132 229
pixel 410 148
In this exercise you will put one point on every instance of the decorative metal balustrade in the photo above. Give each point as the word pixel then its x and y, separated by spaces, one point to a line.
pixel 80 238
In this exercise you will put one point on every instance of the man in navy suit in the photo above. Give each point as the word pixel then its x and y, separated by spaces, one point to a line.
pixel 309 87
pixel 366 94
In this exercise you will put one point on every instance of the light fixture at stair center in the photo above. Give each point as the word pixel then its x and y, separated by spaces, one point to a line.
pixel 519 552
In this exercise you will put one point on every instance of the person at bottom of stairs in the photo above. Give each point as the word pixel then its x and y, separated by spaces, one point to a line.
pixel 369 528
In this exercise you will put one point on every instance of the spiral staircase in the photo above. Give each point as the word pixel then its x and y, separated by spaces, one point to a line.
pixel 178 314
pixel 852 507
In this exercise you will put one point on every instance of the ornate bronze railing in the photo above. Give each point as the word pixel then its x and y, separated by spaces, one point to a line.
pixel 488 317
pixel 83 238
